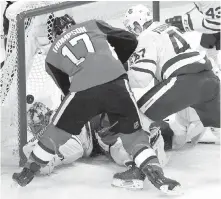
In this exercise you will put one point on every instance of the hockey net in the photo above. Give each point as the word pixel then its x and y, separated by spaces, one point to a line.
pixel 23 74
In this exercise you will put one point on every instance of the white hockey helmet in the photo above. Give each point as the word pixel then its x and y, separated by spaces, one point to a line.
pixel 137 19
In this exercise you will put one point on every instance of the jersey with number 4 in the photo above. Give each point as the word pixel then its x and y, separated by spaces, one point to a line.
pixel 206 17
pixel 162 52
pixel 85 55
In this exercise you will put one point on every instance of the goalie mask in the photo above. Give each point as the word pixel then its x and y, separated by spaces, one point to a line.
pixel 61 24
pixel 137 19
pixel 38 117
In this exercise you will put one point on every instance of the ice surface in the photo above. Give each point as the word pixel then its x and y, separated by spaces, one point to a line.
pixel 197 169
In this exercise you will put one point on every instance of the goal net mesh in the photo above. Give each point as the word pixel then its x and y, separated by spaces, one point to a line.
pixel 38 37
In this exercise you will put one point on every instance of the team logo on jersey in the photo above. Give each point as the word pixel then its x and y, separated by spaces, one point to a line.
pixel 136 125
pixel 130 11
pixel 136 56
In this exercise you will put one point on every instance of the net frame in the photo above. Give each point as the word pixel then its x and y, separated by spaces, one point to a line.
pixel 156 10
pixel 21 63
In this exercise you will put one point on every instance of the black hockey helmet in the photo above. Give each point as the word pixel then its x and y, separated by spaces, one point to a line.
pixel 61 24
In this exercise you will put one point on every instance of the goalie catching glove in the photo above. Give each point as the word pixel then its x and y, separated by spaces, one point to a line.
pixel 184 23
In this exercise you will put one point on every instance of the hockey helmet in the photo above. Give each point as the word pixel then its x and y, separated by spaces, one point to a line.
pixel 61 24
pixel 137 19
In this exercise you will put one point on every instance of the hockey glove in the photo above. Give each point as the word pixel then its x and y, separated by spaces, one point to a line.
pixel 184 22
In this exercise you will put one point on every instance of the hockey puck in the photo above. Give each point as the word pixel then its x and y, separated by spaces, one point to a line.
pixel 30 99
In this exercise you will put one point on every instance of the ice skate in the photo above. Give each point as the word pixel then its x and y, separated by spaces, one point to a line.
pixel 133 178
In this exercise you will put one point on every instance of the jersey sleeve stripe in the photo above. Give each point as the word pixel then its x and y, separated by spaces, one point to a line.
pixel 213 22
pixel 146 61
pixel 178 62
pixel 216 28
pixel 196 67
pixel 143 70
pixel 189 22
pixel 174 60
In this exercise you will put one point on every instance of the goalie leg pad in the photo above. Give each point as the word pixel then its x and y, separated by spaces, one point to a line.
pixel 68 153
pixel 119 154
pixel 71 150
pixel 48 145
pixel 85 138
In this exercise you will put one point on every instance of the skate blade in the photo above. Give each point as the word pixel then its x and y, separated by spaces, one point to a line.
pixel 177 191
pixel 129 184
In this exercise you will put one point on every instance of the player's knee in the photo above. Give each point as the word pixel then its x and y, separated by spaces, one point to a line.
pixel 135 141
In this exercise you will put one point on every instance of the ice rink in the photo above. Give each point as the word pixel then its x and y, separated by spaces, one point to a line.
pixel 196 168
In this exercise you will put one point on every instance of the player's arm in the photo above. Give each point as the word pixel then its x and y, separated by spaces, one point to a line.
pixel 143 64
pixel 194 20
pixel 60 78
pixel 123 41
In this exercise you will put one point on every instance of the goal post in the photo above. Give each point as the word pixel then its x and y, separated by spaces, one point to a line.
pixel 156 10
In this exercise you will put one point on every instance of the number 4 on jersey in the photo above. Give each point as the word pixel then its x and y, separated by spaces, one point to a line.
pixel 174 36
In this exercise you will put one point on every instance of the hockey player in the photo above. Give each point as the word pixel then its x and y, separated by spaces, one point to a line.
pixel 83 53
pixel 205 18
pixel 183 77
